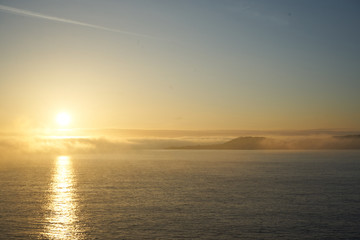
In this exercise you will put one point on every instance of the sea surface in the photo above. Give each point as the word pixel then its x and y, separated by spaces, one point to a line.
pixel 182 194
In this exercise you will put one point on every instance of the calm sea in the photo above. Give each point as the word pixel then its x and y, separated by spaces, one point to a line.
pixel 183 194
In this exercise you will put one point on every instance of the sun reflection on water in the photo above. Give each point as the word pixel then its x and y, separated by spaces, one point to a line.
pixel 62 222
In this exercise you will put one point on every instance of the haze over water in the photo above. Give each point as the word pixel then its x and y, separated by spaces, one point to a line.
pixel 183 194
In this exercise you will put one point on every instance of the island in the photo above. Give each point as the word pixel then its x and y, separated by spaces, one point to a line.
pixel 266 143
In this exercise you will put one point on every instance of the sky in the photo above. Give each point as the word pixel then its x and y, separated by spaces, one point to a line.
pixel 181 65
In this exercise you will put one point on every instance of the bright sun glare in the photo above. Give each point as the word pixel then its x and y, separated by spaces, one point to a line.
pixel 63 119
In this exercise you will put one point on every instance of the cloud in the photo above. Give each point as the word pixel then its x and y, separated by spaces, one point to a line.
pixel 69 21
pixel 22 146
pixel 18 146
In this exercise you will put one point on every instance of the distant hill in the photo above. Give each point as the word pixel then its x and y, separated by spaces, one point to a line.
pixel 348 137
pixel 243 143
pixel 258 143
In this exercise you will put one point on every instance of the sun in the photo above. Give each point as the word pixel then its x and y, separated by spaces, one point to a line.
pixel 63 119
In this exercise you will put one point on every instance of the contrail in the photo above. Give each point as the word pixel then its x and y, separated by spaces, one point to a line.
pixel 63 20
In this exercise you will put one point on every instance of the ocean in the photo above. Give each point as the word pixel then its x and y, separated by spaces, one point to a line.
pixel 182 194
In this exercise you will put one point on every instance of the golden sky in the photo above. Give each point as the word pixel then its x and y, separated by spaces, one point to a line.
pixel 179 64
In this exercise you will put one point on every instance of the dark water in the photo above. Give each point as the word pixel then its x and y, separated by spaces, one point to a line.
pixel 183 195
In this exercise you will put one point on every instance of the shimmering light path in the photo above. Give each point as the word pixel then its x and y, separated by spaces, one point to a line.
pixel 62 219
